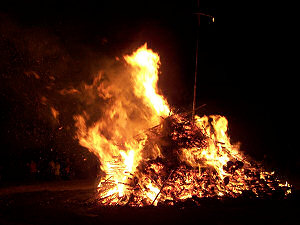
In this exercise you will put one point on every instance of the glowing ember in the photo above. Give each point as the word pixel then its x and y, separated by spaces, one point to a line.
pixel 172 159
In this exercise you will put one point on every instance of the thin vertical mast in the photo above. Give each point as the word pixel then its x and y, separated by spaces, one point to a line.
pixel 196 64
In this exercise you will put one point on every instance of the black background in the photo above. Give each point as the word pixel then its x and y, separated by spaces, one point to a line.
pixel 247 70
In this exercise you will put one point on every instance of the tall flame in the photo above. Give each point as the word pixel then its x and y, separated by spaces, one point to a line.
pixel 111 138
pixel 128 156
pixel 146 64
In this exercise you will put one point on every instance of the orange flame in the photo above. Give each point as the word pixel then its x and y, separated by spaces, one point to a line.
pixel 145 76
pixel 122 150
pixel 111 138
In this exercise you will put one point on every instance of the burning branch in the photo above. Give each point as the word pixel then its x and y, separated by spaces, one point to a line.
pixel 162 187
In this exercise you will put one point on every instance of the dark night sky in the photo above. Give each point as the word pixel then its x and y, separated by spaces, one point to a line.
pixel 246 66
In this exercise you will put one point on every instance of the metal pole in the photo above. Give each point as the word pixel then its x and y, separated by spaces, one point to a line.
pixel 196 67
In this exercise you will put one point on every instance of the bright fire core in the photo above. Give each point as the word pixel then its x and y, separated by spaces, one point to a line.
pixel 150 155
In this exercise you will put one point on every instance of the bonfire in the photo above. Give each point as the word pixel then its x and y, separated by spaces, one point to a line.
pixel 151 155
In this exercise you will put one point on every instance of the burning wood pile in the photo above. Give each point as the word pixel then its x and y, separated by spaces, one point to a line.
pixel 185 169
pixel 179 159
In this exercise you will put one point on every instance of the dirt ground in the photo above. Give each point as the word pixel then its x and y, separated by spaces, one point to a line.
pixel 70 202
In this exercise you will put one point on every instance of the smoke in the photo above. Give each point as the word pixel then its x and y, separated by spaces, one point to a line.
pixel 40 66
pixel 51 76
pixel 57 74
pixel 41 61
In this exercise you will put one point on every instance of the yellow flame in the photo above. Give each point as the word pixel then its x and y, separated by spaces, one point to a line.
pixel 112 139
pixel 219 149
pixel 146 64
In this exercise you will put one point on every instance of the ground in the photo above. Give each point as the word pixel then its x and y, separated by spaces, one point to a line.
pixel 71 202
